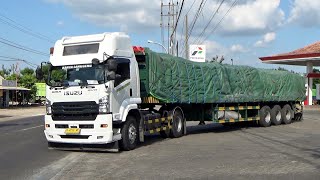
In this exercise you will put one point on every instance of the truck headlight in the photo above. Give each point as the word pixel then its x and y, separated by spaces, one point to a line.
pixel 48 107
pixel 104 104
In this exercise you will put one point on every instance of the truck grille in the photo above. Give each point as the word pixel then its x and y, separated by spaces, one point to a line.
pixel 76 111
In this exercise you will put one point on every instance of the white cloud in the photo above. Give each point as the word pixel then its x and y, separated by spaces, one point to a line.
pixel 237 48
pixel 305 13
pixel 215 49
pixel 60 23
pixel 124 15
pixel 267 38
pixel 252 17
pixel 248 17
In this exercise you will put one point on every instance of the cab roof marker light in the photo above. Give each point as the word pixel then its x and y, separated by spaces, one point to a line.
pixel 51 50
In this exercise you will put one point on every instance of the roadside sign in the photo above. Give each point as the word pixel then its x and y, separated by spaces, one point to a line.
pixel 197 53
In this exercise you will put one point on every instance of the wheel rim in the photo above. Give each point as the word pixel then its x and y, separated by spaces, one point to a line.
pixel 268 117
pixel 179 123
pixel 132 133
pixel 278 116
pixel 288 115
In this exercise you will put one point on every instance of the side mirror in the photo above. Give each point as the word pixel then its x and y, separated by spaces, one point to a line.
pixel 39 73
pixel 112 64
pixel 95 61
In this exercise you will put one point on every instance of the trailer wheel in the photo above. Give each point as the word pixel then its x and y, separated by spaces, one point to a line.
pixel 265 116
pixel 276 115
pixel 129 133
pixel 177 123
pixel 287 114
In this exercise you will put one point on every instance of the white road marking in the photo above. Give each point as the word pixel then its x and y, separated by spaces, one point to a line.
pixel 32 115
pixel 57 169
pixel 29 128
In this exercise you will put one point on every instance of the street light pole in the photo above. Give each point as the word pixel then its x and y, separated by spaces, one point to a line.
pixel 152 42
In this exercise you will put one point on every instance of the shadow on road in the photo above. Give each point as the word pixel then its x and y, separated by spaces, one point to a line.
pixel 4 116
pixel 199 129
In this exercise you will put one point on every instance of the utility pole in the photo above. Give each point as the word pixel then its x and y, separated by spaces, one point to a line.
pixel 169 10
pixel 17 72
pixel 161 25
pixel 186 38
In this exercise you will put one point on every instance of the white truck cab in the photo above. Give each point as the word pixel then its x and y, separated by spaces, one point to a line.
pixel 87 96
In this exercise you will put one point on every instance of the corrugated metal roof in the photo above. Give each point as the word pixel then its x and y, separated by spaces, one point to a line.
pixel 310 53
pixel 310 49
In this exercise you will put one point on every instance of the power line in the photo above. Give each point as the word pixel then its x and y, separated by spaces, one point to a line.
pixel 8 60
pixel 217 25
pixel 194 20
pixel 208 24
pixel 21 47
pixel 181 35
pixel 175 27
pixel 7 57
pixel 10 22
pixel 12 59
pixel 191 6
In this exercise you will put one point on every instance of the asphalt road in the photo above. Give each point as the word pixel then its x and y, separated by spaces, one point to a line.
pixel 207 152
pixel 23 148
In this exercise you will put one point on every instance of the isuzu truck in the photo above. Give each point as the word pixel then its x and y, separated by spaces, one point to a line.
pixel 103 93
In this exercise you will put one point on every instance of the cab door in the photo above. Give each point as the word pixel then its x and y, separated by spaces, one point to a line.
pixel 122 84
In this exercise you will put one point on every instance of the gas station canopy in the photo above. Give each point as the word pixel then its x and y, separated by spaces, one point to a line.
pixel 299 57
pixel 308 56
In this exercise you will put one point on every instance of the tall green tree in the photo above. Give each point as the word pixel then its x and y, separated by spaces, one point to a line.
pixel 4 72
pixel 28 79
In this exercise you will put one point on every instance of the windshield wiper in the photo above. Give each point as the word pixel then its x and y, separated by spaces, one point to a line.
pixel 83 84
pixel 65 83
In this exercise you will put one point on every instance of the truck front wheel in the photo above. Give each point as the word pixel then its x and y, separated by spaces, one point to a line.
pixel 129 133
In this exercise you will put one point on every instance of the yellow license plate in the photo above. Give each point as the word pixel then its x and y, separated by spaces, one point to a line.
pixel 72 131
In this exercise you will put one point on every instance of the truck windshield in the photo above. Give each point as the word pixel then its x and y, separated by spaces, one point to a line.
pixel 76 75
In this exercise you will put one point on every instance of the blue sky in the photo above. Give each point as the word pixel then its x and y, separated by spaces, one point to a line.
pixel 252 29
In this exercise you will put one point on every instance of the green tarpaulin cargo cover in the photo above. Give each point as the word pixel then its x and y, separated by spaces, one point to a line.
pixel 176 80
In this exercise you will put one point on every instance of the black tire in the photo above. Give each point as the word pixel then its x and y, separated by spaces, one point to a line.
pixel 276 117
pixel 287 114
pixel 176 124
pixel 164 134
pixel 129 133
pixel 265 116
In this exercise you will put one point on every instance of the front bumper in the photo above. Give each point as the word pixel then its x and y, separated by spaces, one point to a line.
pixel 95 135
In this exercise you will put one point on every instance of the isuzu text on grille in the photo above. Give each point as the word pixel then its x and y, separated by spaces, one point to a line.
pixel 67 93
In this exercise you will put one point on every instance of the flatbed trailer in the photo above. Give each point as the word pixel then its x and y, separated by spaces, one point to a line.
pixel 113 94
